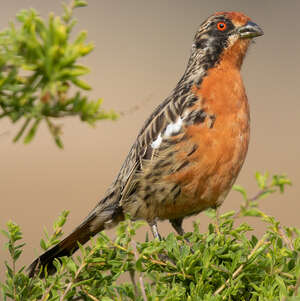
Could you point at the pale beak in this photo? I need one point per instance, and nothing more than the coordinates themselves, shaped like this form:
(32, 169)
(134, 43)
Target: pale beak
(250, 30)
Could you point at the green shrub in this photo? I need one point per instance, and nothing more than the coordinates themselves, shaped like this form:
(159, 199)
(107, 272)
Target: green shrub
(40, 77)
(225, 263)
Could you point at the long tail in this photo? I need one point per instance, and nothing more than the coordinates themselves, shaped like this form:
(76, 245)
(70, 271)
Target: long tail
(93, 224)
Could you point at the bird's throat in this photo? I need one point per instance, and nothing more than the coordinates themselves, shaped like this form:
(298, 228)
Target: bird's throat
(235, 53)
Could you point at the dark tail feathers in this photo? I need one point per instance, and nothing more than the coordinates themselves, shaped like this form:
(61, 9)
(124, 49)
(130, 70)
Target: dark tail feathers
(65, 248)
(107, 213)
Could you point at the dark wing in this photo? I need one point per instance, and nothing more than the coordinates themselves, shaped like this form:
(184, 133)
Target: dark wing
(167, 112)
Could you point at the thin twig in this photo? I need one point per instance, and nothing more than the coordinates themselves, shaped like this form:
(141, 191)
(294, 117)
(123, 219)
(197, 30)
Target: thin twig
(144, 257)
(75, 277)
(132, 278)
(46, 294)
(61, 114)
(286, 240)
(140, 276)
(91, 296)
(296, 287)
(248, 201)
(179, 274)
(280, 231)
(72, 282)
(217, 221)
(240, 268)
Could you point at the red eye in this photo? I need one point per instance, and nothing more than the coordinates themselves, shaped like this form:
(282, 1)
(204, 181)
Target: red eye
(221, 26)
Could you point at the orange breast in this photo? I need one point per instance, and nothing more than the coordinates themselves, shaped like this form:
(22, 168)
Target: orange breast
(221, 150)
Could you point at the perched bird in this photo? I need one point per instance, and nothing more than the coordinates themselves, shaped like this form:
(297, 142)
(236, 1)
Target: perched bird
(190, 150)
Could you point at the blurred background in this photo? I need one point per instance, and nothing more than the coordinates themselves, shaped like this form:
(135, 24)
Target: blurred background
(142, 48)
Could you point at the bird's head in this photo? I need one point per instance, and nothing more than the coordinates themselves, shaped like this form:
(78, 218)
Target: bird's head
(227, 35)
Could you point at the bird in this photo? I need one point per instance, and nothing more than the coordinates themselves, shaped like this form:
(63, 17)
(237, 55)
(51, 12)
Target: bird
(190, 150)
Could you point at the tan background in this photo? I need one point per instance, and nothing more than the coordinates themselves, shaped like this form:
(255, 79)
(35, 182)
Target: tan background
(142, 49)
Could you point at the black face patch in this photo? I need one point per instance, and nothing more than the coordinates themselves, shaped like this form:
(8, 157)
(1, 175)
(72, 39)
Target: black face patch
(202, 43)
(217, 41)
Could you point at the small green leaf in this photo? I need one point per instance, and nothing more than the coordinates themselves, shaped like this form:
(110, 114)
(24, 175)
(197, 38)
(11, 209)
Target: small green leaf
(71, 266)
(242, 190)
(81, 84)
(80, 3)
(28, 138)
(252, 212)
(261, 179)
(43, 244)
(20, 133)
(58, 142)
(210, 212)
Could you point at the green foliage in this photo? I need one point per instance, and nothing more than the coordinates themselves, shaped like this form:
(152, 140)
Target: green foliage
(225, 263)
(40, 78)
(57, 232)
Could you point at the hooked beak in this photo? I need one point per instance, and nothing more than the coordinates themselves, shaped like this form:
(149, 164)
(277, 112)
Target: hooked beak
(250, 30)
